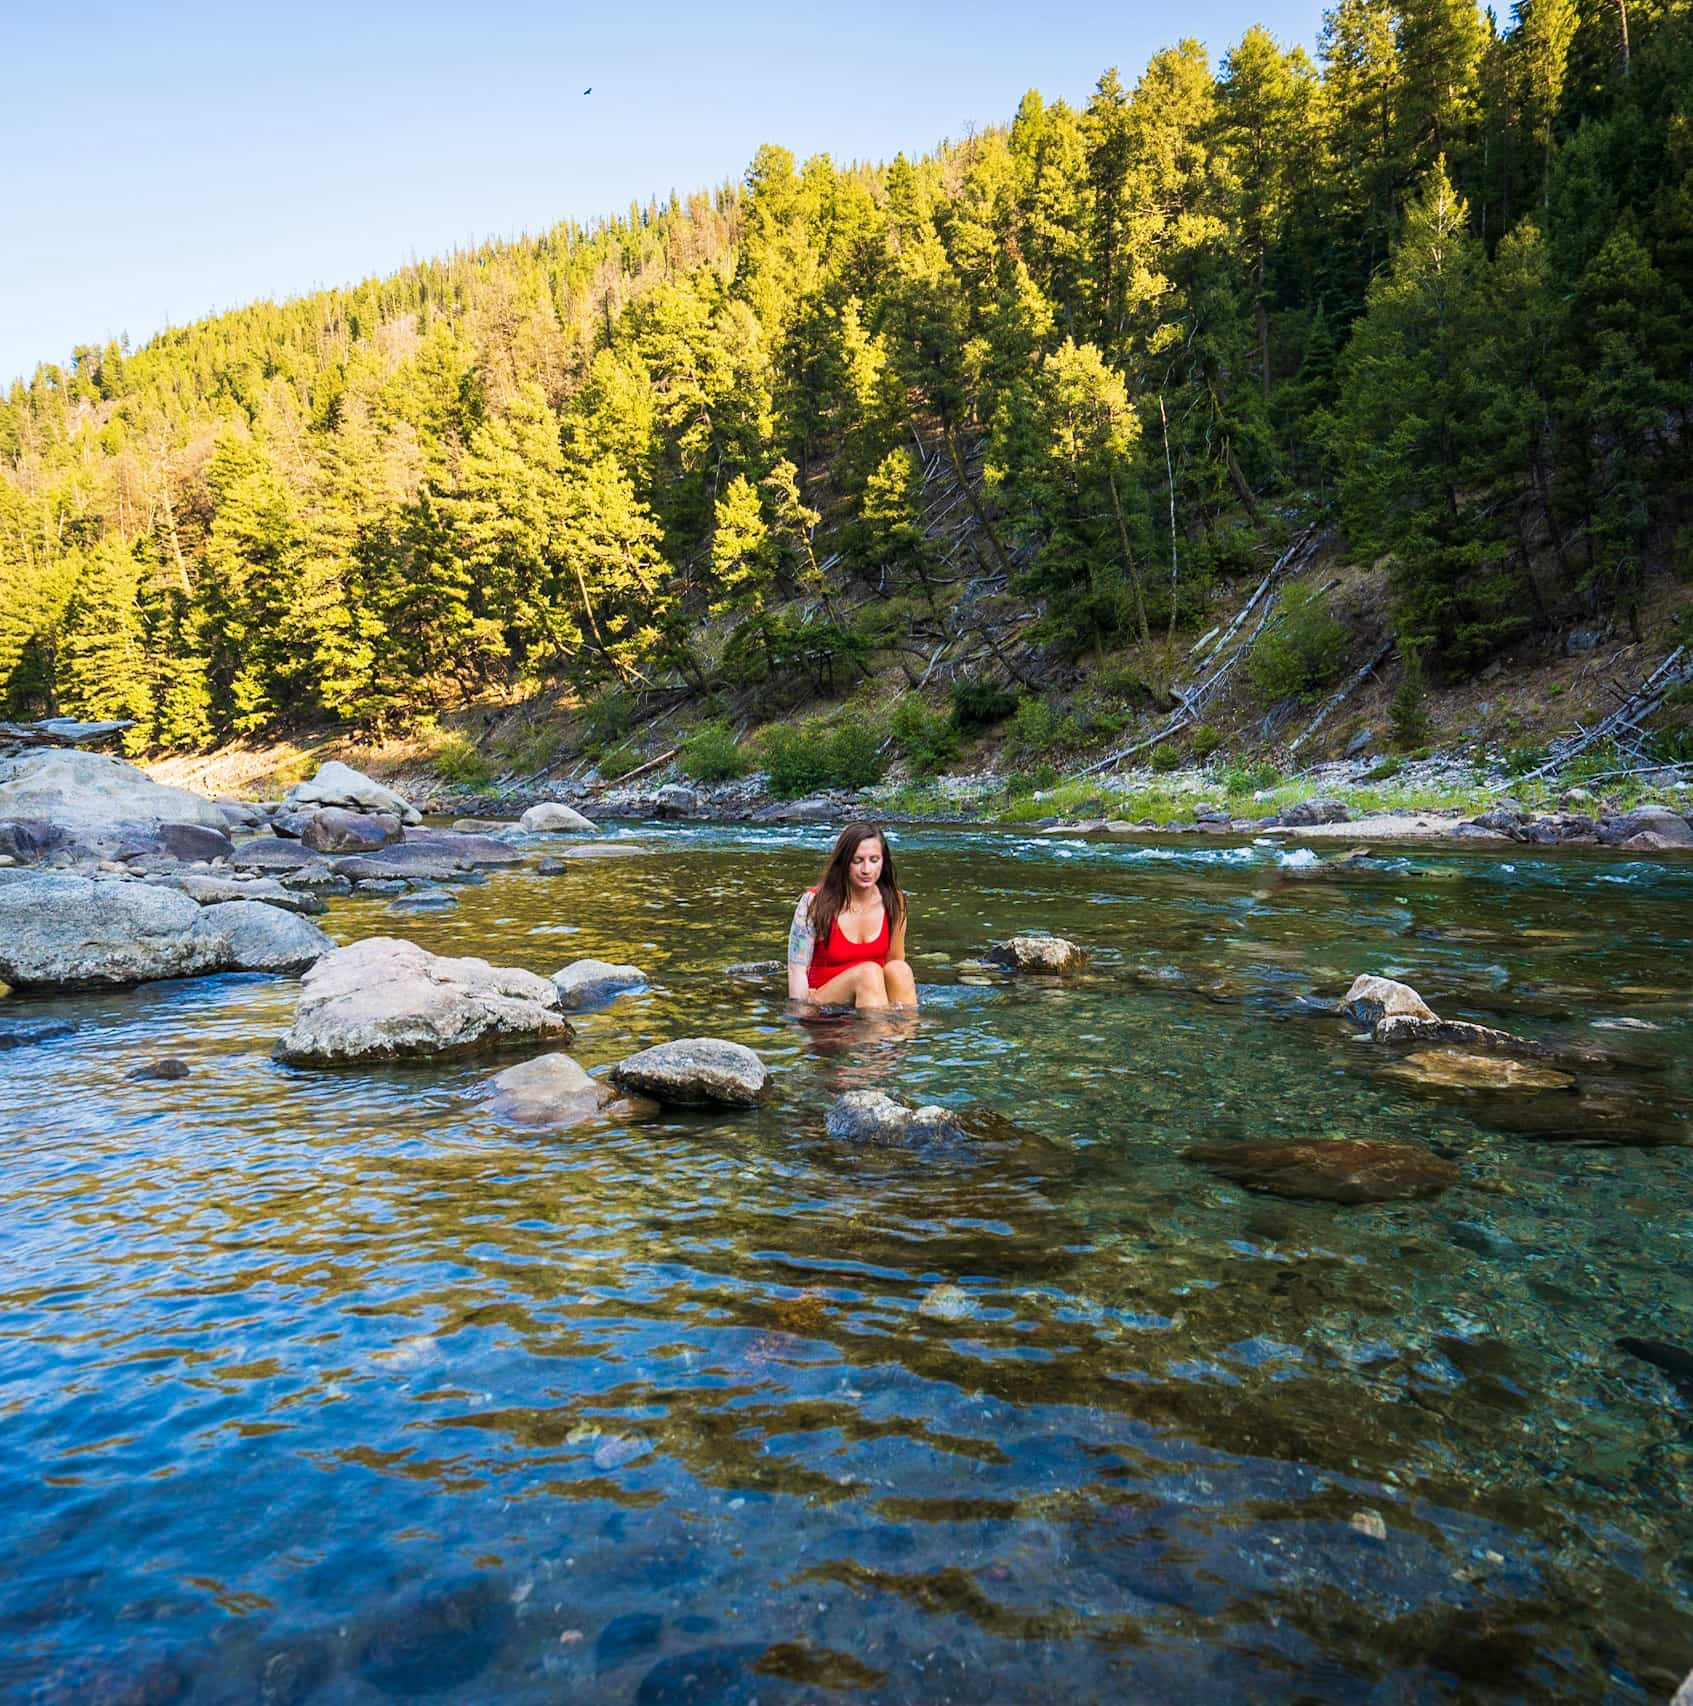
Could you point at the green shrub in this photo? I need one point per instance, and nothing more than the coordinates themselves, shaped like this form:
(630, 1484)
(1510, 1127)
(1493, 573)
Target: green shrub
(1125, 684)
(802, 759)
(458, 763)
(1408, 712)
(1165, 758)
(607, 718)
(927, 739)
(1385, 771)
(1520, 760)
(1205, 741)
(619, 760)
(979, 705)
(1300, 652)
(712, 754)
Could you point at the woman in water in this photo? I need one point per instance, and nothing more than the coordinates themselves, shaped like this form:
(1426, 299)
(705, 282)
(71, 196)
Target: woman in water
(847, 944)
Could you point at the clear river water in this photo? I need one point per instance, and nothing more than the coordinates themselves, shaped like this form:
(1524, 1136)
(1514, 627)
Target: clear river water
(336, 1387)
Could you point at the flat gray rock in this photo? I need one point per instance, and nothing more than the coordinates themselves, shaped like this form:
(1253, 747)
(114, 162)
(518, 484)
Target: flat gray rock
(424, 900)
(387, 999)
(87, 793)
(873, 1116)
(587, 984)
(273, 853)
(695, 1072)
(210, 890)
(423, 863)
(465, 849)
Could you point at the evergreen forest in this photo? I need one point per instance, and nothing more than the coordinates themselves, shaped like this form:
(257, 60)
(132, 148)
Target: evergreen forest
(1430, 289)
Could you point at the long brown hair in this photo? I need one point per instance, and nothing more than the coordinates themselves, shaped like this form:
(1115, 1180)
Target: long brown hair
(831, 892)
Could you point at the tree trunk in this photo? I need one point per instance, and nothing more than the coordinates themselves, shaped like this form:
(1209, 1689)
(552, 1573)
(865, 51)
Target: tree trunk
(1170, 475)
(975, 508)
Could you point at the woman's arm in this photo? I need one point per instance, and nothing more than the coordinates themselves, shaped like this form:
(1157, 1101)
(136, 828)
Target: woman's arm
(801, 944)
(896, 939)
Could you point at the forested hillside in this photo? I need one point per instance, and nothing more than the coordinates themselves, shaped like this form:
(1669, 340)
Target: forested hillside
(1432, 289)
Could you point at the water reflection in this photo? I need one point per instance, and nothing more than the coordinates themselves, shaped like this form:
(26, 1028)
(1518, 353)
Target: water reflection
(335, 1386)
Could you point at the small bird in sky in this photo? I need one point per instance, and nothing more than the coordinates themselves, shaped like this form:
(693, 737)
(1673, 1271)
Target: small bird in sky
(589, 90)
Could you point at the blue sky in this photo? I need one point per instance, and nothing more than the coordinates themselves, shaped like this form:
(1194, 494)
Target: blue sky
(167, 161)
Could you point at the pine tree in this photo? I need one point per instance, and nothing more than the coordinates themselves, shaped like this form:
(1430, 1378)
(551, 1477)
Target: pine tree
(102, 674)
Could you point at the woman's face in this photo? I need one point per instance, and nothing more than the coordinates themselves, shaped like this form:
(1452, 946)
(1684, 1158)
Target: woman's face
(867, 863)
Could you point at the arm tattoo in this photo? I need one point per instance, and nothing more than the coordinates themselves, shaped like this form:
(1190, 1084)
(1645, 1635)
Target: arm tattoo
(800, 938)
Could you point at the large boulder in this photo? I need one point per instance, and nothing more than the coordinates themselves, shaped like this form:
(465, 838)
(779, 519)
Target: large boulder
(264, 938)
(334, 829)
(1670, 828)
(675, 800)
(95, 800)
(59, 931)
(1341, 1170)
(338, 784)
(584, 985)
(387, 999)
(402, 863)
(1308, 812)
(1371, 999)
(1050, 956)
(553, 818)
(695, 1072)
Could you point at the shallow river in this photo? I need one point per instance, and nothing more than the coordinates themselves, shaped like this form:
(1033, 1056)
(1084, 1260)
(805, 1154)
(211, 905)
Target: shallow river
(329, 1386)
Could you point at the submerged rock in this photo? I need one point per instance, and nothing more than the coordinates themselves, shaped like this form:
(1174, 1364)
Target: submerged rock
(387, 999)
(20, 1033)
(1342, 1170)
(586, 984)
(158, 1071)
(873, 1116)
(552, 1089)
(424, 900)
(552, 818)
(338, 784)
(759, 973)
(1372, 999)
(1448, 1069)
(695, 1072)
(1051, 956)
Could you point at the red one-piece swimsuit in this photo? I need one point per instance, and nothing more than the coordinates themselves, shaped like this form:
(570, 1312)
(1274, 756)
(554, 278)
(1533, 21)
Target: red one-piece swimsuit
(829, 959)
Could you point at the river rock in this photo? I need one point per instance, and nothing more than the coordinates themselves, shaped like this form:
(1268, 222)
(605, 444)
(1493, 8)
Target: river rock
(423, 900)
(551, 1089)
(59, 931)
(483, 825)
(315, 879)
(551, 817)
(239, 814)
(264, 938)
(1308, 812)
(674, 800)
(334, 829)
(873, 1116)
(1372, 999)
(1625, 830)
(387, 999)
(20, 1033)
(469, 850)
(1051, 956)
(290, 824)
(695, 1072)
(158, 1071)
(94, 799)
(338, 784)
(1342, 1170)
(271, 853)
(27, 839)
(758, 973)
(191, 841)
(209, 890)
(1447, 1069)
(587, 984)
(400, 863)
(605, 850)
